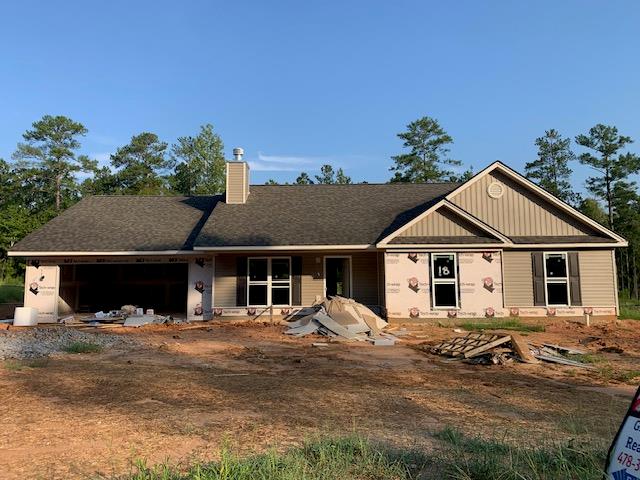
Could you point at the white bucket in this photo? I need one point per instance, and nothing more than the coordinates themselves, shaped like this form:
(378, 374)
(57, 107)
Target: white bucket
(25, 317)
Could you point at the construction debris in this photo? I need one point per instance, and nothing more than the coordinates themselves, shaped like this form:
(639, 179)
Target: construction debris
(343, 319)
(493, 349)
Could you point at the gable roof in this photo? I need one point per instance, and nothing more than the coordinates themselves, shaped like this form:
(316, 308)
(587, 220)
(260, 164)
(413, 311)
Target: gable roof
(275, 215)
(284, 217)
(434, 227)
(600, 231)
(122, 224)
(316, 215)
(595, 234)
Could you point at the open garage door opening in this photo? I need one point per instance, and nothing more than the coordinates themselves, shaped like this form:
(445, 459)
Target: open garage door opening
(95, 287)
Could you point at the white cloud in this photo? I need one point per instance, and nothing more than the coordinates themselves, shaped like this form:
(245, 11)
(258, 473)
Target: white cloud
(284, 163)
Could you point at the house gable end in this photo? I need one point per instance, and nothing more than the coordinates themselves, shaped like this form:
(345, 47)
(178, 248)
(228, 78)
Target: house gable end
(444, 223)
(516, 207)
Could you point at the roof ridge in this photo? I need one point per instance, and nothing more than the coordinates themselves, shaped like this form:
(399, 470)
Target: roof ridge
(352, 184)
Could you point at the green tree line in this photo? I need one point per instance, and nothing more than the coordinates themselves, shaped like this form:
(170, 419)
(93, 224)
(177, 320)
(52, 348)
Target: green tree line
(47, 174)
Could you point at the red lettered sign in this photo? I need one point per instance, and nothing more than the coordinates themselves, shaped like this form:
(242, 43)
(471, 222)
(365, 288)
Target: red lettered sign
(623, 461)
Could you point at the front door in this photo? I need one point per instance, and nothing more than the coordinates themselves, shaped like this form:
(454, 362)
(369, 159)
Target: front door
(337, 276)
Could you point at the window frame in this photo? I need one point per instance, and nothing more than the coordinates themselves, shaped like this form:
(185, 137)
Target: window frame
(269, 282)
(324, 273)
(557, 280)
(445, 281)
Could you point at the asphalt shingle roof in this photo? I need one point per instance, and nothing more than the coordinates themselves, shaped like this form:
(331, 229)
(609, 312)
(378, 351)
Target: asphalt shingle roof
(358, 214)
(123, 223)
(273, 215)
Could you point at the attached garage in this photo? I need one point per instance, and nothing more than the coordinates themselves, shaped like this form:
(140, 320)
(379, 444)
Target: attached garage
(95, 287)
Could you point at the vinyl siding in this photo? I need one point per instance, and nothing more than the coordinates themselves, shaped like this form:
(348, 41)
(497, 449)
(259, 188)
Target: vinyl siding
(443, 223)
(517, 278)
(519, 212)
(597, 278)
(237, 182)
(364, 274)
(224, 286)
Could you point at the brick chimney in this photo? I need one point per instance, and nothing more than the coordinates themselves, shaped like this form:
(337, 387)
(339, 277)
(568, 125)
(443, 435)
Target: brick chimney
(237, 189)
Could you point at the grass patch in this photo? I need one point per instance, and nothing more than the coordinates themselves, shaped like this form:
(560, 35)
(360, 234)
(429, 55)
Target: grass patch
(11, 293)
(474, 458)
(457, 457)
(609, 373)
(629, 312)
(508, 324)
(82, 347)
(347, 458)
(17, 365)
(586, 358)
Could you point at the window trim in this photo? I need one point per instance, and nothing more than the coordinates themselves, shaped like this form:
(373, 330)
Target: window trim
(446, 281)
(269, 282)
(564, 279)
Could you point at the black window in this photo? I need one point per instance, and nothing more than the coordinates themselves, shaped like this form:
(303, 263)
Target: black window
(444, 280)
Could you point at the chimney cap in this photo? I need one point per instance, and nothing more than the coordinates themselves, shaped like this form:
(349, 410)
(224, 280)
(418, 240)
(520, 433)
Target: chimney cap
(238, 153)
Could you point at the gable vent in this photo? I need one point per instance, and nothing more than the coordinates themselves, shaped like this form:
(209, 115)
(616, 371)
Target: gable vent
(495, 190)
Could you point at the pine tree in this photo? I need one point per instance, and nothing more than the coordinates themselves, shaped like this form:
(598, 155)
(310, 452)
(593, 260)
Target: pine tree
(428, 156)
(551, 169)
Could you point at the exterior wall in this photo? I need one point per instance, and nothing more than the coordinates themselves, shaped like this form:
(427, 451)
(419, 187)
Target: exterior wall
(518, 212)
(597, 278)
(364, 272)
(441, 223)
(510, 278)
(518, 278)
(237, 182)
(408, 286)
(200, 289)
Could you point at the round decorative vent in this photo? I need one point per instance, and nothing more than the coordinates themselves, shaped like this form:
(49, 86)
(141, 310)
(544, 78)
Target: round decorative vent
(495, 190)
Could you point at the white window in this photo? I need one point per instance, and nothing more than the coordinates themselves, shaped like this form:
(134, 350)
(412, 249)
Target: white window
(444, 280)
(268, 281)
(556, 279)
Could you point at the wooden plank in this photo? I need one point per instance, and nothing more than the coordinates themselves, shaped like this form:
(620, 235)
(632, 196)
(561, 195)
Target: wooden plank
(570, 351)
(487, 346)
(562, 360)
(522, 349)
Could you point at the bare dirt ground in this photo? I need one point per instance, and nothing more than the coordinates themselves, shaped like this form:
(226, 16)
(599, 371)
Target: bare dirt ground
(183, 394)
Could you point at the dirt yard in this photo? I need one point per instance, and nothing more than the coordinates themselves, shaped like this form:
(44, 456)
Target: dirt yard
(180, 395)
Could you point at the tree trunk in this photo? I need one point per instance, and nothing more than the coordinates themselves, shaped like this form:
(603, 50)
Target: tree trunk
(607, 180)
(635, 276)
(58, 186)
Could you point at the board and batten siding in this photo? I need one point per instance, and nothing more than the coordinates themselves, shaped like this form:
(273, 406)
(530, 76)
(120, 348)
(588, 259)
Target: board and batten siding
(597, 278)
(441, 222)
(364, 266)
(518, 212)
(237, 182)
(517, 278)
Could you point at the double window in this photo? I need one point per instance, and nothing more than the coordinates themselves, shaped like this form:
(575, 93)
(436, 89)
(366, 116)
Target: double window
(556, 279)
(444, 280)
(268, 281)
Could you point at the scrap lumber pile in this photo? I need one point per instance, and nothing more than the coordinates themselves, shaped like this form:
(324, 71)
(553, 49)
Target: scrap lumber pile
(497, 348)
(343, 319)
(127, 316)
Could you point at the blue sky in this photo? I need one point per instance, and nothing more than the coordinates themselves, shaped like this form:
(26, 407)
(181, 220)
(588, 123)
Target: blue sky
(298, 84)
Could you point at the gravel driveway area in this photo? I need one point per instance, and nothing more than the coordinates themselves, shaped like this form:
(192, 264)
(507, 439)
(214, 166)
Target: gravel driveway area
(43, 341)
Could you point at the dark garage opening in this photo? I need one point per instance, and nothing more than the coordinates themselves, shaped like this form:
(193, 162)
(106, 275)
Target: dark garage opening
(95, 287)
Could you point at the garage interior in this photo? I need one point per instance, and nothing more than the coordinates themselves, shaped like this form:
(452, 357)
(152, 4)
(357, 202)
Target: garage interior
(96, 287)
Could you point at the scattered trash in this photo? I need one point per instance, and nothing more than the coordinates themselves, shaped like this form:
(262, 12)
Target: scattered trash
(319, 344)
(457, 330)
(343, 319)
(499, 349)
(139, 321)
